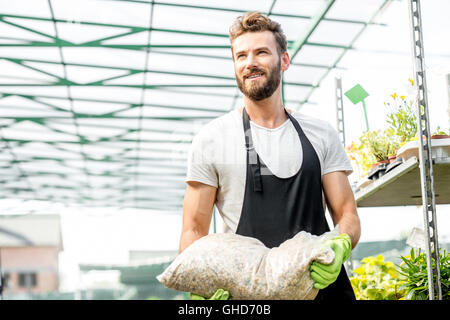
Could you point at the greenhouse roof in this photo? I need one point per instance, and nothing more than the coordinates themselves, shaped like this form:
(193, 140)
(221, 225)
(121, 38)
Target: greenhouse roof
(100, 100)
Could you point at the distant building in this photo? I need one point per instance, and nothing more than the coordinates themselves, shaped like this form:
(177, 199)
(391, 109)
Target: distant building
(29, 249)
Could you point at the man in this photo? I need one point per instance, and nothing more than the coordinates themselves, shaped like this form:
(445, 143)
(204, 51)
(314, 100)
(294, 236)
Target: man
(269, 169)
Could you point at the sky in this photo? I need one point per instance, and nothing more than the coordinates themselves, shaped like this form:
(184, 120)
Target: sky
(382, 65)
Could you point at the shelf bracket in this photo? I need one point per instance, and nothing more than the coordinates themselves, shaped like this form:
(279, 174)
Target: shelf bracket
(341, 132)
(339, 110)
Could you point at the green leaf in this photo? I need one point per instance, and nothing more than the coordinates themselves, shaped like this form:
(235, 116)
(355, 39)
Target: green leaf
(410, 295)
(421, 296)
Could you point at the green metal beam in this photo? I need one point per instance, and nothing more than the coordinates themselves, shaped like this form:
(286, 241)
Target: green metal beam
(10, 150)
(137, 86)
(327, 45)
(313, 25)
(60, 43)
(35, 98)
(138, 47)
(106, 173)
(272, 5)
(313, 65)
(87, 141)
(92, 116)
(294, 47)
(107, 159)
(23, 61)
(129, 71)
(240, 11)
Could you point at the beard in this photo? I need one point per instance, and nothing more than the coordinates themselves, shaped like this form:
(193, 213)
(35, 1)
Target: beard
(258, 92)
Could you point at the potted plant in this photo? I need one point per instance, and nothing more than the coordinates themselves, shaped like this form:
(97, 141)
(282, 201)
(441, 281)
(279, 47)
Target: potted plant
(382, 144)
(439, 134)
(414, 269)
(373, 151)
(402, 117)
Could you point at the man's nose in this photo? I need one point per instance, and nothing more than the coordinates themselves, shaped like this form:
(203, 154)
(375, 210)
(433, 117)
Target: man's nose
(252, 62)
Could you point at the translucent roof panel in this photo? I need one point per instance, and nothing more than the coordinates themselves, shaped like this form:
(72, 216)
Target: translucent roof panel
(100, 99)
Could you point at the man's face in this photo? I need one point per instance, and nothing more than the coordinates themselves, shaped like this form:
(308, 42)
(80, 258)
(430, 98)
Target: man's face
(257, 65)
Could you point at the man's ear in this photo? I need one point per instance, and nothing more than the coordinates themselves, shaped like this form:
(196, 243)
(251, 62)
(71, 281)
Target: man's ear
(285, 61)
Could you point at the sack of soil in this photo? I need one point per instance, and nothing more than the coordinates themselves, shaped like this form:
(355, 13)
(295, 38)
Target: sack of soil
(248, 269)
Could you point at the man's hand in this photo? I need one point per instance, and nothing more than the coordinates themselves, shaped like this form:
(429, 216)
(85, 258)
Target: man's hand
(325, 274)
(219, 295)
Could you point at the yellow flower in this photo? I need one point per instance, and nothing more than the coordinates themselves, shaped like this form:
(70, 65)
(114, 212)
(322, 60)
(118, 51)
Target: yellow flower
(411, 81)
(379, 259)
(394, 95)
(368, 260)
(403, 97)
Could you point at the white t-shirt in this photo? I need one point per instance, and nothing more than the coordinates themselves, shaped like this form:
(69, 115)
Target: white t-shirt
(217, 156)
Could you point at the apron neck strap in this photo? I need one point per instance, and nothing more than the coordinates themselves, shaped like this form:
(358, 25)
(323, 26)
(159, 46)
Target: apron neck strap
(252, 156)
(247, 132)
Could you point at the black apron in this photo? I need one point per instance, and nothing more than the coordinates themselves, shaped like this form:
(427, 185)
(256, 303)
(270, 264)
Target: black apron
(276, 209)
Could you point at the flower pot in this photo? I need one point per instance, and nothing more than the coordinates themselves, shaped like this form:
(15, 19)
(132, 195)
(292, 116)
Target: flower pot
(392, 158)
(378, 170)
(440, 136)
(396, 162)
(440, 148)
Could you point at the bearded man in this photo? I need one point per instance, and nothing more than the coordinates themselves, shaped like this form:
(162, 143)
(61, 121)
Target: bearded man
(271, 172)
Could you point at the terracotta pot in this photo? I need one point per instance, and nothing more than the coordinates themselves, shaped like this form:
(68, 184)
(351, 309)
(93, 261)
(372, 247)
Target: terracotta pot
(373, 165)
(440, 136)
(392, 158)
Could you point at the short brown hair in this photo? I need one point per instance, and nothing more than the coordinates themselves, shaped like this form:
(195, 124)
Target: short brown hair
(256, 22)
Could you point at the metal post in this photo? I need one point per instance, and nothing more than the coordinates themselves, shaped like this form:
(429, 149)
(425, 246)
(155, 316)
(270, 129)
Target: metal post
(341, 132)
(425, 159)
(339, 110)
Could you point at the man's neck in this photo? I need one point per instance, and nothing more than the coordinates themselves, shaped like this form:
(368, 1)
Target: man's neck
(268, 113)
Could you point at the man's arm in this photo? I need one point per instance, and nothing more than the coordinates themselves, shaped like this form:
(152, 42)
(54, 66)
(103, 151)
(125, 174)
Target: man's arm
(197, 212)
(341, 203)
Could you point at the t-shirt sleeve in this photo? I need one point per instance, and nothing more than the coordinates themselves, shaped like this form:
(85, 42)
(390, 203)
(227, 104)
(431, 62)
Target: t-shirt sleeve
(199, 163)
(336, 158)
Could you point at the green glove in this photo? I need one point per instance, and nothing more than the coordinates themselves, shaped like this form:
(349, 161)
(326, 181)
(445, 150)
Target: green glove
(219, 295)
(325, 274)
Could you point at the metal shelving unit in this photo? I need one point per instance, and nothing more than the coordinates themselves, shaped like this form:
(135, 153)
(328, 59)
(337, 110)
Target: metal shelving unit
(402, 185)
(424, 180)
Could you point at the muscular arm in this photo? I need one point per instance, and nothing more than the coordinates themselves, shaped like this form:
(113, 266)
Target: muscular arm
(341, 203)
(197, 212)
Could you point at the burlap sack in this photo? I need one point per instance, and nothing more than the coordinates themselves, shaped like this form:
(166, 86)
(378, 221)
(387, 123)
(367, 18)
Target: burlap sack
(248, 269)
